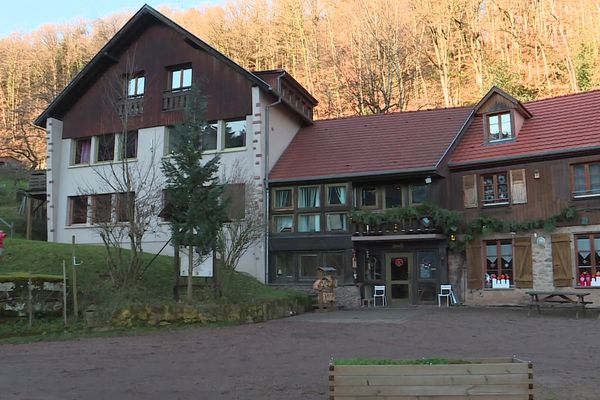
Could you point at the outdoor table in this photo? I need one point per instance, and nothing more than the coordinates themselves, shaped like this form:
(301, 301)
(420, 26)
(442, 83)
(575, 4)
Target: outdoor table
(576, 299)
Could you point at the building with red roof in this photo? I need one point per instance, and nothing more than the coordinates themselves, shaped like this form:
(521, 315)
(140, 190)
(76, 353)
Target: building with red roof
(368, 194)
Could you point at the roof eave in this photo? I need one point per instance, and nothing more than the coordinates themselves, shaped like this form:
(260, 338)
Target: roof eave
(407, 171)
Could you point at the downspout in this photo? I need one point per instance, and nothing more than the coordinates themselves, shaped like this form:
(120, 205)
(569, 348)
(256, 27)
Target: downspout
(266, 197)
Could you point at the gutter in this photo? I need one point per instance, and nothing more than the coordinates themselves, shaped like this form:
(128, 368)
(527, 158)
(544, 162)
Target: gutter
(407, 171)
(267, 197)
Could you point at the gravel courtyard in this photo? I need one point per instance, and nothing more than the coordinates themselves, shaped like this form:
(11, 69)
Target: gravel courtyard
(287, 359)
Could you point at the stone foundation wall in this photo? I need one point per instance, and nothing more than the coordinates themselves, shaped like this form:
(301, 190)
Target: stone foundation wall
(180, 313)
(47, 297)
(543, 275)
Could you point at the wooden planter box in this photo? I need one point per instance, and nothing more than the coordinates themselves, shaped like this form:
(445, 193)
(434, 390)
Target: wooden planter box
(489, 379)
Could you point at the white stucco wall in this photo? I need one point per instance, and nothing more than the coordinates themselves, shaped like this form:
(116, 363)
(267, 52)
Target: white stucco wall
(65, 180)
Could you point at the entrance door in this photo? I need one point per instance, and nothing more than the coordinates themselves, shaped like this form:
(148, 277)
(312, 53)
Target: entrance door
(398, 275)
(427, 277)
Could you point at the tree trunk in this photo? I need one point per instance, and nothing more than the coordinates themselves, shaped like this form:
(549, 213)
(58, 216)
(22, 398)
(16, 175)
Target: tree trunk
(176, 262)
(189, 278)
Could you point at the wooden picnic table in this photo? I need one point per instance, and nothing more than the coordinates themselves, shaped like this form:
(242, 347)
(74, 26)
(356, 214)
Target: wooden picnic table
(574, 298)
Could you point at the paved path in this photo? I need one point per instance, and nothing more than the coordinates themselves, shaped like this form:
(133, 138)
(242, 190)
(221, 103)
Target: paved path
(287, 359)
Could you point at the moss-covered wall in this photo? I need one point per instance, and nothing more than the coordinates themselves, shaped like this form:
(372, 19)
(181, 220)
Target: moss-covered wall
(180, 313)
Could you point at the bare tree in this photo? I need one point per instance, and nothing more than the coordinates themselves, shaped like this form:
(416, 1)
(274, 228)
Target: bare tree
(127, 193)
(245, 227)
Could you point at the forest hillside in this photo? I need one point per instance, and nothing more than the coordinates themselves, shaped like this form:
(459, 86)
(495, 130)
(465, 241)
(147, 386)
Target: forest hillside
(355, 56)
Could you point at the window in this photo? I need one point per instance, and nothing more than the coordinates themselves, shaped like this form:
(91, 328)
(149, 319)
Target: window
(373, 266)
(587, 248)
(498, 263)
(500, 127)
(336, 260)
(125, 206)
(283, 198)
(106, 148)
(308, 266)
(283, 223)
(130, 144)
(181, 78)
(284, 266)
(235, 195)
(235, 134)
(309, 197)
(337, 222)
(419, 193)
(135, 86)
(586, 180)
(368, 197)
(495, 188)
(78, 209)
(102, 208)
(309, 223)
(393, 196)
(209, 137)
(82, 152)
(336, 195)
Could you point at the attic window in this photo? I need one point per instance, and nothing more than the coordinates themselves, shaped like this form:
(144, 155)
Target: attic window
(500, 127)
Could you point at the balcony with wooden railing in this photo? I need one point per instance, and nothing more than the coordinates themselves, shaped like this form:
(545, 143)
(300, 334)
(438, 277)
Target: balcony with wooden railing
(175, 100)
(409, 226)
(131, 106)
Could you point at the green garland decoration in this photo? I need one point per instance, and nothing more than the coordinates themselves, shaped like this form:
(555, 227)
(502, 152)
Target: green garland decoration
(451, 223)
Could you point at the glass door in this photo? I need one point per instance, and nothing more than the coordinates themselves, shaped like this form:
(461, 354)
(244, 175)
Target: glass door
(398, 276)
(427, 277)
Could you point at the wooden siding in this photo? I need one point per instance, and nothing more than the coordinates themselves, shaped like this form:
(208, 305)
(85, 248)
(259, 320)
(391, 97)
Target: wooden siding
(546, 196)
(228, 93)
(484, 379)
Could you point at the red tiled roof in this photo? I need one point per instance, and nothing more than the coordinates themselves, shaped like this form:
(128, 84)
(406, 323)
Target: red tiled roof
(380, 143)
(563, 123)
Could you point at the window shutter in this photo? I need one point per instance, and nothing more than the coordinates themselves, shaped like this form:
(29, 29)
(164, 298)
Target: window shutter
(470, 191)
(474, 266)
(518, 186)
(523, 263)
(561, 260)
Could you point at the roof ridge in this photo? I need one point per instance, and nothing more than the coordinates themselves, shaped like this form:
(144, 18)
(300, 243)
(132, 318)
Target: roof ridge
(562, 96)
(393, 113)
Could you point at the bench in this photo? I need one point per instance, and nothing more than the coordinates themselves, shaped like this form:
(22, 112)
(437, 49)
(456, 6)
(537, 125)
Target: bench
(575, 300)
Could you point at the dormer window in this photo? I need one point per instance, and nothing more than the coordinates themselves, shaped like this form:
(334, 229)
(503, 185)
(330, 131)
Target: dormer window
(500, 127)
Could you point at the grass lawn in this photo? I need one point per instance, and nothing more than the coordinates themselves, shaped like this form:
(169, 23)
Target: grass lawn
(22, 257)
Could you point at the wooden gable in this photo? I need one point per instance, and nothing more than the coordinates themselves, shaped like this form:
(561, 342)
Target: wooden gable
(153, 51)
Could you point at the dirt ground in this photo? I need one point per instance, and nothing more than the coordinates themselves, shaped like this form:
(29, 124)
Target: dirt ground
(288, 358)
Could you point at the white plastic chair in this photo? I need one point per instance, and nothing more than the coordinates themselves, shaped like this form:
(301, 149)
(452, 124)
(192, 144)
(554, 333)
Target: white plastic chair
(445, 291)
(379, 291)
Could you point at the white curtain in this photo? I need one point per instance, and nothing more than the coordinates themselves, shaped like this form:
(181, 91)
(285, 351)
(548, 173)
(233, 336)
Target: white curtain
(309, 223)
(309, 197)
(336, 222)
(283, 223)
(283, 198)
(337, 195)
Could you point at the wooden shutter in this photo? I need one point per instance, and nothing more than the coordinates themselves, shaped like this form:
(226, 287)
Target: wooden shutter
(474, 265)
(522, 262)
(518, 188)
(470, 191)
(561, 260)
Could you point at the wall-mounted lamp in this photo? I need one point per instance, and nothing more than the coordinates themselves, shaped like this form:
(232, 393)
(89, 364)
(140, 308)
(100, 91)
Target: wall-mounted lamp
(540, 240)
(536, 174)
(428, 180)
